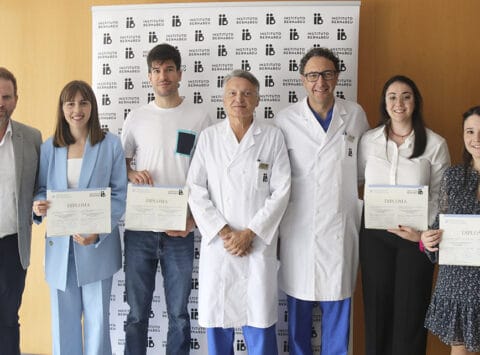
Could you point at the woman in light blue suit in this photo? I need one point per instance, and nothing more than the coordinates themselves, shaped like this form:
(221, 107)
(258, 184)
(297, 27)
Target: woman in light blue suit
(79, 268)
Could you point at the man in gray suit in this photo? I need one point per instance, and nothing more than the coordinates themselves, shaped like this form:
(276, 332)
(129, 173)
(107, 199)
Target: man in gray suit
(19, 156)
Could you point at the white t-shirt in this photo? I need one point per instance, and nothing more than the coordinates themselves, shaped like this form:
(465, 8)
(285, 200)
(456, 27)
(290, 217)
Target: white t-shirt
(162, 140)
(382, 162)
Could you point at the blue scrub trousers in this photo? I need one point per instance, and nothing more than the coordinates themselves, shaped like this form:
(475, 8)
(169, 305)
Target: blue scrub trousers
(259, 341)
(335, 326)
(92, 301)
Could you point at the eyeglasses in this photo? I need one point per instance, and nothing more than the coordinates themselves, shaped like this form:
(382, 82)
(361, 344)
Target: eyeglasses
(314, 75)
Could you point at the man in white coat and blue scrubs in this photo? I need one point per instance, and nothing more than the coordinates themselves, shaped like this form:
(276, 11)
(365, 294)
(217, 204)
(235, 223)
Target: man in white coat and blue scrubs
(319, 232)
(239, 183)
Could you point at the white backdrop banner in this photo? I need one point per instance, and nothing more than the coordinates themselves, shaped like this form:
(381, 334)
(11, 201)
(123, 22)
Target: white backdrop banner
(265, 38)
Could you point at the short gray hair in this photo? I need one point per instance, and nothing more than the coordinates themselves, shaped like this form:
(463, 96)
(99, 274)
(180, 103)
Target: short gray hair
(239, 73)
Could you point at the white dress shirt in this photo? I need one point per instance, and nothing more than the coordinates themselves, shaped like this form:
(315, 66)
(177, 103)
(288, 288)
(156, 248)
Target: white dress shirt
(8, 198)
(381, 161)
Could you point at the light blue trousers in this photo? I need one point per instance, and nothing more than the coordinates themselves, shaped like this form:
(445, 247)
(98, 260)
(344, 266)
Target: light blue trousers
(93, 302)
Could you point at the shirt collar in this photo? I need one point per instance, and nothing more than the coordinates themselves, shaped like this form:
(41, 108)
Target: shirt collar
(8, 132)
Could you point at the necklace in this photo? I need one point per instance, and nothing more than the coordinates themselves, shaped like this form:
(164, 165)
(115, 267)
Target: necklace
(399, 135)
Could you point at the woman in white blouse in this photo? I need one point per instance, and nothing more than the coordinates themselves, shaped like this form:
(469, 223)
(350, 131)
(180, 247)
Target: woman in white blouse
(396, 275)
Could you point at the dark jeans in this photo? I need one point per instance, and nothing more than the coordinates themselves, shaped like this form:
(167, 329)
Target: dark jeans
(12, 284)
(143, 251)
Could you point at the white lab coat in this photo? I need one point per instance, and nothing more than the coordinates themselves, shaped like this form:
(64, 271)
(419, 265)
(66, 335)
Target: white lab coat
(319, 232)
(228, 185)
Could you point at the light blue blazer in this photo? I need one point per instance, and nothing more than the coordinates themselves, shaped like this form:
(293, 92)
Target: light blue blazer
(103, 166)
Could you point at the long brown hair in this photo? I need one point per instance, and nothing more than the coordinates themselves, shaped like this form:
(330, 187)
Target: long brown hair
(63, 137)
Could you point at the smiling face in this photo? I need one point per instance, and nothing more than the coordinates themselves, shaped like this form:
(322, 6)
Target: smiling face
(471, 137)
(320, 92)
(77, 112)
(240, 99)
(165, 78)
(399, 102)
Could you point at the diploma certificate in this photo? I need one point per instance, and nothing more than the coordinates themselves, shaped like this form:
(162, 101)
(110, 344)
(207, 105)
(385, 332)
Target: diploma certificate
(388, 206)
(460, 243)
(156, 208)
(78, 211)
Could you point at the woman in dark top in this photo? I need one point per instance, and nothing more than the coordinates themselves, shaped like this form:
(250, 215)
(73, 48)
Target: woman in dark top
(454, 311)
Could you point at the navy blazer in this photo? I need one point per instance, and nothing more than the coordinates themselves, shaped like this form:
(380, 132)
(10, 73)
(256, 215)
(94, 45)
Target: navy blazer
(103, 166)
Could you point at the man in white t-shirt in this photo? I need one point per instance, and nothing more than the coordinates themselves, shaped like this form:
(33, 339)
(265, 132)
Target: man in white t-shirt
(161, 136)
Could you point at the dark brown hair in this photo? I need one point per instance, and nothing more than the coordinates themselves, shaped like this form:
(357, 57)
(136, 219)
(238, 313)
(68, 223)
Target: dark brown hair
(63, 137)
(7, 75)
(418, 124)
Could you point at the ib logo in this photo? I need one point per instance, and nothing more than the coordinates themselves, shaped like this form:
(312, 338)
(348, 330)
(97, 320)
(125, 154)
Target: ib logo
(292, 65)
(129, 23)
(107, 39)
(197, 98)
(292, 97)
(246, 65)
(342, 65)
(152, 37)
(286, 347)
(128, 84)
(269, 50)
(314, 332)
(106, 70)
(221, 115)
(294, 34)
(269, 83)
(106, 100)
(194, 344)
(241, 345)
(341, 35)
(150, 97)
(222, 50)
(152, 314)
(196, 252)
(129, 53)
(317, 19)
(104, 127)
(220, 79)
(198, 67)
(199, 37)
(285, 316)
(194, 313)
(176, 22)
(222, 20)
(246, 35)
(268, 113)
(270, 20)
(340, 95)
(126, 112)
(150, 343)
(194, 283)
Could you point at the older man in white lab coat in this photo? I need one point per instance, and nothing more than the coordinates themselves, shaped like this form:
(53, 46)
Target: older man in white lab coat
(319, 233)
(239, 183)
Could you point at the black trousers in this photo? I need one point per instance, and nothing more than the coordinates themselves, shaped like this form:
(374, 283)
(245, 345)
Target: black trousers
(397, 285)
(12, 284)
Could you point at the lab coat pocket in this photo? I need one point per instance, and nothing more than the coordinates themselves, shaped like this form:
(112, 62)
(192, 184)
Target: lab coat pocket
(263, 175)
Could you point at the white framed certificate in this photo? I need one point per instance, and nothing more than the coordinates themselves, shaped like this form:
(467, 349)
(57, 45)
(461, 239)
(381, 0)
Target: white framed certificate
(460, 244)
(78, 211)
(156, 208)
(388, 206)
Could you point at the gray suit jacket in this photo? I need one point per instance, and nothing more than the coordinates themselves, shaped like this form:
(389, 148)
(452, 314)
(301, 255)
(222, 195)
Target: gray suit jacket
(26, 148)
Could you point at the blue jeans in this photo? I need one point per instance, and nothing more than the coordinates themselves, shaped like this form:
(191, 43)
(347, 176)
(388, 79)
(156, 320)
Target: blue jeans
(143, 251)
